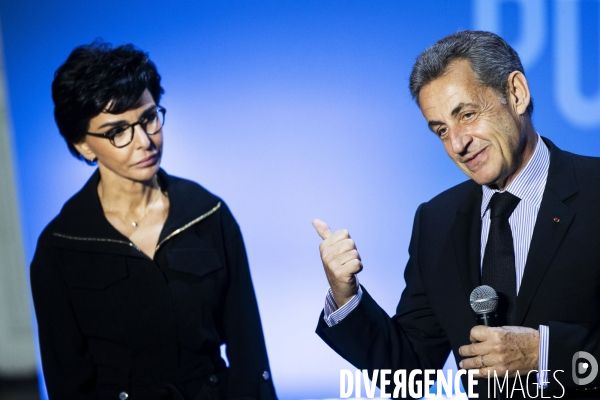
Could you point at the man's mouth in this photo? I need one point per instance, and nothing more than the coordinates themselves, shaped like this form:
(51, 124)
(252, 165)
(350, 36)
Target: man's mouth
(474, 158)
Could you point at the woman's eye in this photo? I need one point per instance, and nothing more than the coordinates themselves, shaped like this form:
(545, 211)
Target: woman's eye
(117, 131)
(468, 115)
(151, 117)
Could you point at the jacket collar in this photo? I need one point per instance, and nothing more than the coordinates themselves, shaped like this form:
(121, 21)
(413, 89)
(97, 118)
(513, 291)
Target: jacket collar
(82, 223)
(553, 221)
(466, 235)
(188, 202)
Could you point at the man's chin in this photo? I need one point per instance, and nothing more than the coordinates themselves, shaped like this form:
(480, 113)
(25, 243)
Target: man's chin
(486, 180)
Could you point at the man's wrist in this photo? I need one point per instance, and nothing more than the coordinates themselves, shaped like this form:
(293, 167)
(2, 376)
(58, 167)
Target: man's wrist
(343, 299)
(334, 314)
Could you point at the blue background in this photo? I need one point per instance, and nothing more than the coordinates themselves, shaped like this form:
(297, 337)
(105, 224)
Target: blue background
(294, 110)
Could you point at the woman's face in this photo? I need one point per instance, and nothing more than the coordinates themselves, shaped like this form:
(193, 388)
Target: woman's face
(139, 160)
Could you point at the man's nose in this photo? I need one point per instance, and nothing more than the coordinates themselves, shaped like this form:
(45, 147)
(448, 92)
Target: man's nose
(460, 140)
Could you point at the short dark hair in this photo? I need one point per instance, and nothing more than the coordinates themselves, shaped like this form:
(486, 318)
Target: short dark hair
(94, 77)
(491, 58)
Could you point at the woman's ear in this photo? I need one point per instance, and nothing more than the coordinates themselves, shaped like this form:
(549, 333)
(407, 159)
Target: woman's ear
(518, 92)
(84, 149)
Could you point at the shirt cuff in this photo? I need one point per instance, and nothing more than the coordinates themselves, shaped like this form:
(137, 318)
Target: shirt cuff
(333, 314)
(542, 375)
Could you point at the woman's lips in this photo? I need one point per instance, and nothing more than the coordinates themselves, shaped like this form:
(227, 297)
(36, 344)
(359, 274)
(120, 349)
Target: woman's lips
(148, 161)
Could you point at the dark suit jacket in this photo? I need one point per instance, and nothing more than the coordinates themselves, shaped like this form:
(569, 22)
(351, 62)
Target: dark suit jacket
(112, 320)
(560, 286)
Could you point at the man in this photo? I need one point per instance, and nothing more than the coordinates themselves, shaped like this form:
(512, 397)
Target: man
(542, 253)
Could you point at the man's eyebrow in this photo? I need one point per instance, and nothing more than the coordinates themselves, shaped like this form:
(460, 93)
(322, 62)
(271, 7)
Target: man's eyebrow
(454, 112)
(431, 124)
(459, 107)
(123, 122)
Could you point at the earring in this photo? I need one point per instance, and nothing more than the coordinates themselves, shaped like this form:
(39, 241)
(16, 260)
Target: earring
(93, 160)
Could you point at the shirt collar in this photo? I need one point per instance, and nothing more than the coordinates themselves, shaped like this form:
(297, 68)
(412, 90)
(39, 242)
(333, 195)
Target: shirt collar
(529, 184)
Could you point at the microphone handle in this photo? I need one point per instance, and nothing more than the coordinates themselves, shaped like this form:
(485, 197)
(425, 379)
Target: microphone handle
(490, 319)
(487, 319)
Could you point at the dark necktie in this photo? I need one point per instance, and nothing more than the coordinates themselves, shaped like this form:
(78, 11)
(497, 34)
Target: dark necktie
(498, 270)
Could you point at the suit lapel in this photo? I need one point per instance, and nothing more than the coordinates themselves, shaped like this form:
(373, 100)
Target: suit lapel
(552, 223)
(466, 236)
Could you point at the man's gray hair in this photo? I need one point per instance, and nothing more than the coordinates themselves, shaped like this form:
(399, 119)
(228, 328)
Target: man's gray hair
(492, 61)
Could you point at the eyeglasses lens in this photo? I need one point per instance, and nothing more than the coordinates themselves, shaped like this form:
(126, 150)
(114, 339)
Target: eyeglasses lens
(151, 124)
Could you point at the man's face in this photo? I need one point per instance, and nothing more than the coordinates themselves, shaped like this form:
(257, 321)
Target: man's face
(481, 131)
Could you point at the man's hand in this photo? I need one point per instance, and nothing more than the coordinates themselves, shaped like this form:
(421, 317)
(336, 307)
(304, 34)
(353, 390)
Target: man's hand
(508, 348)
(340, 260)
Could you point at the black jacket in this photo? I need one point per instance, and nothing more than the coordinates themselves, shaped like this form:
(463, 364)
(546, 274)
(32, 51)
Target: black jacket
(114, 322)
(560, 286)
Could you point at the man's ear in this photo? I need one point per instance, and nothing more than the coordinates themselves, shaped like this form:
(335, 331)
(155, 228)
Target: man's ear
(518, 93)
(84, 149)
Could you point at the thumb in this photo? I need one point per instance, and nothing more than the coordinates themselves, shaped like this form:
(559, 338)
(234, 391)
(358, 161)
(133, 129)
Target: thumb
(322, 228)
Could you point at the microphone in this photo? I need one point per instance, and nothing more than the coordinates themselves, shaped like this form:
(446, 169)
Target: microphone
(484, 301)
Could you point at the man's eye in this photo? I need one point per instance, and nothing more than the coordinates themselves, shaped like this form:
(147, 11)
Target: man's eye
(468, 115)
(442, 131)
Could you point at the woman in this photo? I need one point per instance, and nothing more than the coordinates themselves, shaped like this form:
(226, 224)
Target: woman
(142, 276)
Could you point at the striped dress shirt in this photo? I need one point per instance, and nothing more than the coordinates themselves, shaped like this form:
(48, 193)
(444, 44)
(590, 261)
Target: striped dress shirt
(529, 186)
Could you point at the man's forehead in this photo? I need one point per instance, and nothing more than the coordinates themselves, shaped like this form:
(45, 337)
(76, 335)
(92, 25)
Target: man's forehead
(453, 91)
(458, 72)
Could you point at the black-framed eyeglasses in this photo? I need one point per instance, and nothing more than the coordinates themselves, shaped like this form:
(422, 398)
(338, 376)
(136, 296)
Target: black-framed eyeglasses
(120, 136)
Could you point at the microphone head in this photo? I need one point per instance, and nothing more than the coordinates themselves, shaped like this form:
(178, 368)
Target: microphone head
(484, 299)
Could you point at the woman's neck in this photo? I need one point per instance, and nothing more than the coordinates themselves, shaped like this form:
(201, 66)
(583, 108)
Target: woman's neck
(126, 197)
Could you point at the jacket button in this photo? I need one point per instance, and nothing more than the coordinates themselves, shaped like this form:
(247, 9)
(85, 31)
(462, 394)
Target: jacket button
(213, 379)
(123, 395)
(266, 375)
